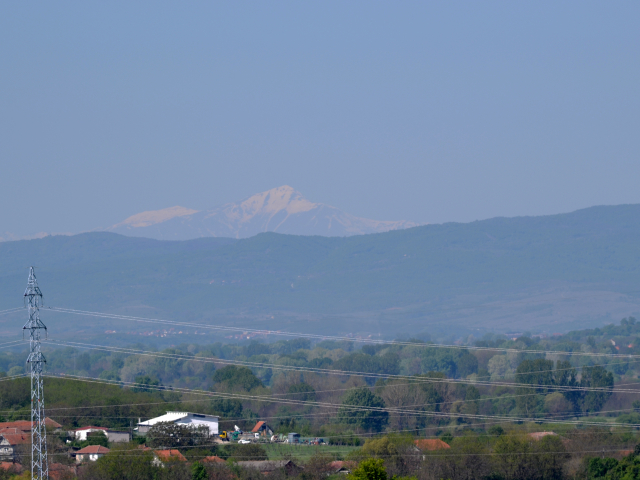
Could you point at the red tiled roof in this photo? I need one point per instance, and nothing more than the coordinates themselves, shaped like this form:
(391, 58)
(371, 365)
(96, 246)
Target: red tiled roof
(58, 471)
(257, 427)
(170, 455)
(340, 464)
(8, 466)
(16, 438)
(431, 444)
(91, 428)
(213, 459)
(25, 425)
(93, 449)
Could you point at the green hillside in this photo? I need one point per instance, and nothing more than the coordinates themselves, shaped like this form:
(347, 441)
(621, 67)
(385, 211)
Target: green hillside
(413, 280)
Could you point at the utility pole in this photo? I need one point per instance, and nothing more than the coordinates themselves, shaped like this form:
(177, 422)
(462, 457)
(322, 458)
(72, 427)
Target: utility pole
(36, 361)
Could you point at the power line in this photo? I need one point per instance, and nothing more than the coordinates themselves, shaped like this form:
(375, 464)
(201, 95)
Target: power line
(305, 415)
(416, 381)
(341, 451)
(334, 372)
(329, 337)
(220, 360)
(337, 406)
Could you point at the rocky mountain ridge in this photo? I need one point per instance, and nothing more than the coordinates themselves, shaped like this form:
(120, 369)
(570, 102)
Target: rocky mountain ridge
(281, 210)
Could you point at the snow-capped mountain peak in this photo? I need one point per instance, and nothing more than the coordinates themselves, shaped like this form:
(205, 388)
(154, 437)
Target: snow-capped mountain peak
(282, 209)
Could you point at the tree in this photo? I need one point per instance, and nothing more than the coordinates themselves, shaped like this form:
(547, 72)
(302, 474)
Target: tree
(317, 468)
(471, 397)
(227, 407)
(397, 451)
(466, 365)
(371, 417)
(556, 403)
(532, 372)
(235, 377)
(466, 459)
(536, 372)
(252, 451)
(145, 380)
(125, 462)
(388, 363)
(380, 447)
(519, 457)
(198, 472)
(566, 376)
(549, 457)
(302, 391)
(370, 469)
(512, 459)
(596, 377)
(400, 395)
(598, 467)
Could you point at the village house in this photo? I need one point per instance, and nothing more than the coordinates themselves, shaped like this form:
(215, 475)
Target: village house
(11, 439)
(430, 444)
(268, 466)
(341, 466)
(213, 459)
(167, 456)
(58, 471)
(25, 425)
(91, 453)
(262, 429)
(11, 467)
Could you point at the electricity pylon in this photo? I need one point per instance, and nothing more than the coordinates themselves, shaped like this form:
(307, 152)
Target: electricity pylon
(33, 299)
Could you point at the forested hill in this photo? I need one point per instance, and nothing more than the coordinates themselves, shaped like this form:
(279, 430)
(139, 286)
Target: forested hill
(550, 273)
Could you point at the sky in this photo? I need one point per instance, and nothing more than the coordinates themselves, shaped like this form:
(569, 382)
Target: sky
(423, 111)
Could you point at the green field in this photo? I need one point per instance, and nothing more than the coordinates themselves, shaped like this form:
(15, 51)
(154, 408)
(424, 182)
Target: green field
(278, 451)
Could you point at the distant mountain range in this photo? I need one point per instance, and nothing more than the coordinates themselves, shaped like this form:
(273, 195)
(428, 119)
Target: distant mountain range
(551, 273)
(281, 210)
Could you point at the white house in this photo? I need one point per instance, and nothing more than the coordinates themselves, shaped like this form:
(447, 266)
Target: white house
(81, 433)
(6, 450)
(91, 453)
(182, 418)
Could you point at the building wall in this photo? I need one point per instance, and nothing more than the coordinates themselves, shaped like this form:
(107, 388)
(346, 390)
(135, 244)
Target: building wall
(92, 457)
(82, 434)
(210, 423)
(6, 451)
(118, 437)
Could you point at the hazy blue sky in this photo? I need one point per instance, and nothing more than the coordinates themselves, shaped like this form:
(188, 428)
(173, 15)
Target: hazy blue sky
(432, 112)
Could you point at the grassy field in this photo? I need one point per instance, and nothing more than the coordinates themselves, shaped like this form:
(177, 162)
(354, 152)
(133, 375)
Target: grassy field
(278, 451)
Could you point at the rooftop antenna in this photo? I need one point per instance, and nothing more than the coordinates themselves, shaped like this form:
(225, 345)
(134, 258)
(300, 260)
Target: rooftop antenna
(33, 301)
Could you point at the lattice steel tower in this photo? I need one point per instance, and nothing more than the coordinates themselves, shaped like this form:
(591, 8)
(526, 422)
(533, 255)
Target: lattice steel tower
(33, 300)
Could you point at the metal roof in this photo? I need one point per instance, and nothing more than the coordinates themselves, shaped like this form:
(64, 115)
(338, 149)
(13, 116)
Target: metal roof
(173, 417)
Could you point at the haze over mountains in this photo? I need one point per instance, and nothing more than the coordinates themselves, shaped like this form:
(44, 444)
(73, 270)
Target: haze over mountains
(543, 274)
(281, 210)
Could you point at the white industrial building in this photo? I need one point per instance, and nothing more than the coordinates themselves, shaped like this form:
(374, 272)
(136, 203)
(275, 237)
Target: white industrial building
(113, 436)
(182, 418)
